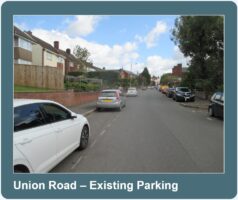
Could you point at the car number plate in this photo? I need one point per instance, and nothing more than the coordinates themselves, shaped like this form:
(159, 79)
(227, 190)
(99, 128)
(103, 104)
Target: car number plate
(107, 100)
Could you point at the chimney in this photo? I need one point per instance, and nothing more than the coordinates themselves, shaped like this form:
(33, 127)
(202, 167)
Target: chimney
(29, 32)
(56, 44)
(68, 51)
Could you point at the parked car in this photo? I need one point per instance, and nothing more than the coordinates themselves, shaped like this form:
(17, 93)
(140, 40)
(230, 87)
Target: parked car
(132, 92)
(164, 88)
(170, 92)
(183, 94)
(111, 99)
(45, 132)
(216, 105)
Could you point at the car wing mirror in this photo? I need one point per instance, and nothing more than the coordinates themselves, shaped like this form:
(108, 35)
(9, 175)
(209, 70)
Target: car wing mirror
(73, 116)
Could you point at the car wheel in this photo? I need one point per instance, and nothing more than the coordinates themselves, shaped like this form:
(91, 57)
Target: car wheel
(211, 112)
(84, 138)
(176, 98)
(98, 109)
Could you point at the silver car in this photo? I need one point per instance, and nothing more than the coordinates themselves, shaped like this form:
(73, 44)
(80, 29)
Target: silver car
(111, 99)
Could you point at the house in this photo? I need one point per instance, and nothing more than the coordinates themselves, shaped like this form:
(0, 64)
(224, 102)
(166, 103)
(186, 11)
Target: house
(71, 62)
(45, 54)
(91, 68)
(126, 74)
(23, 47)
(177, 70)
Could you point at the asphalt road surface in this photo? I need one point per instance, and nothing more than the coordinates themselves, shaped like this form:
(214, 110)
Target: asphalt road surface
(152, 134)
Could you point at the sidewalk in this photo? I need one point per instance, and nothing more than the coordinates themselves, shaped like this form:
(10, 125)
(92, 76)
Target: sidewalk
(84, 109)
(198, 103)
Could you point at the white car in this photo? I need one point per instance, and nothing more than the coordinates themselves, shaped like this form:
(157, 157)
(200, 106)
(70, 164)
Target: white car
(45, 132)
(132, 92)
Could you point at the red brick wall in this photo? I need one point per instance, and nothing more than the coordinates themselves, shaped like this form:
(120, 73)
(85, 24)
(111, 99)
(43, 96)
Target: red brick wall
(67, 98)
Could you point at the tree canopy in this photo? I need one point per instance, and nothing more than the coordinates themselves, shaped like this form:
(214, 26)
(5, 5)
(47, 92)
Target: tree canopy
(201, 39)
(144, 77)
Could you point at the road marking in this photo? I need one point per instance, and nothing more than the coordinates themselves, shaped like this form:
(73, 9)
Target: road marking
(102, 133)
(109, 125)
(193, 111)
(93, 144)
(208, 118)
(77, 162)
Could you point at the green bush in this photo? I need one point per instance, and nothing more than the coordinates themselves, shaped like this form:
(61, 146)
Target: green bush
(82, 86)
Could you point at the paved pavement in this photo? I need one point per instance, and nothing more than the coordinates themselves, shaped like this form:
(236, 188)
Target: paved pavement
(84, 109)
(152, 134)
(198, 103)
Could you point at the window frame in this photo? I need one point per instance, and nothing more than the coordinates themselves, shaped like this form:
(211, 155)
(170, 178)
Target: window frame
(57, 106)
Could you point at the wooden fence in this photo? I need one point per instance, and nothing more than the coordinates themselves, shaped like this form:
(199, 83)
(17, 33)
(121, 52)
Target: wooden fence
(38, 76)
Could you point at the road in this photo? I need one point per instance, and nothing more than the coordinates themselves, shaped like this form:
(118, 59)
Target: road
(152, 134)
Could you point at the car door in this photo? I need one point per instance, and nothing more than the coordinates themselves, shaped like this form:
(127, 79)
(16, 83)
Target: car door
(68, 128)
(221, 106)
(217, 104)
(34, 138)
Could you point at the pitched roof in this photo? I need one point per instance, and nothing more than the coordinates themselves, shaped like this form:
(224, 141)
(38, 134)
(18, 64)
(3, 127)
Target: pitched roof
(70, 57)
(23, 34)
(43, 43)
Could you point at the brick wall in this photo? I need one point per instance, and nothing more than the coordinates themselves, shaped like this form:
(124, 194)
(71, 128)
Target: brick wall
(67, 98)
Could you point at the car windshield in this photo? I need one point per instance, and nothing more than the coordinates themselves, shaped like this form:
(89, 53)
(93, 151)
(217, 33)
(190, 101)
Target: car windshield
(108, 94)
(184, 90)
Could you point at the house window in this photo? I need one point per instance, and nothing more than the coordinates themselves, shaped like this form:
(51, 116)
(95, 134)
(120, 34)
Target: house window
(71, 64)
(60, 60)
(24, 44)
(48, 56)
(22, 62)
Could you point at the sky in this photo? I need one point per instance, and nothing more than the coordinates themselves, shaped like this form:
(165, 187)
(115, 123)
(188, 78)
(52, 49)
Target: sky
(131, 42)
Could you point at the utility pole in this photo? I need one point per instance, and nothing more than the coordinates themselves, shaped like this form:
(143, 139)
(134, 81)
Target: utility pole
(130, 74)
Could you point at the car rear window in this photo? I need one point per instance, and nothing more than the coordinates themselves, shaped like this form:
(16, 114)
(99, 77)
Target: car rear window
(108, 94)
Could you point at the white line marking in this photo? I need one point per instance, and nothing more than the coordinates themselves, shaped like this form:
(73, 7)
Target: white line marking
(193, 111)
(77, 162)
(93, 144)
(102, 133)
(208, 118)
(109, 125)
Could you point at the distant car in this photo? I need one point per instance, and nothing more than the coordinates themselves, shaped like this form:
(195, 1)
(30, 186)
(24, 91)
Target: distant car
(170, 92)
(164, 89)
(45, 132)
(216, 106)
(144, 88)
(111, 98)
(183, 94)
(132, 92)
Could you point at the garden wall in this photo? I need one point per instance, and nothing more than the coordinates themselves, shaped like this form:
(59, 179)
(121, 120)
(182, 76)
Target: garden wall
(67, 98)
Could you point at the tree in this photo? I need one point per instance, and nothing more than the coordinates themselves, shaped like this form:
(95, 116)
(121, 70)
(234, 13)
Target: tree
(201, 39)
(144, 77)
(81, 53)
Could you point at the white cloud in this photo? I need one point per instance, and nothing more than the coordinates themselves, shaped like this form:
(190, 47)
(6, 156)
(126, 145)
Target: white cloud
(158, 65)
(152, 37)
(102, 55)
(83, 25)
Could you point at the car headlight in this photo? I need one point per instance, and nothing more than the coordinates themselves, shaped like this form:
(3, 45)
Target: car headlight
(179, 94)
